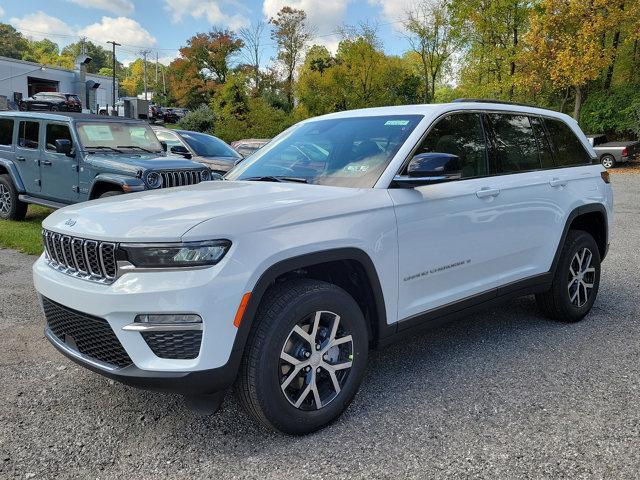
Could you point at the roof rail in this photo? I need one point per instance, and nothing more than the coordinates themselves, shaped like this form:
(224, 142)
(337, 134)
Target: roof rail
(488, 100)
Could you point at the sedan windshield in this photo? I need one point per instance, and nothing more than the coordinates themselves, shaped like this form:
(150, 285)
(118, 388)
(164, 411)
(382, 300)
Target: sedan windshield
(118, 137)
(349, 152)
(208, 146)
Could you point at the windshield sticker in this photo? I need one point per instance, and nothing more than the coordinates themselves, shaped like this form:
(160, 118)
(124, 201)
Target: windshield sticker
(97, 133)
(396, 123)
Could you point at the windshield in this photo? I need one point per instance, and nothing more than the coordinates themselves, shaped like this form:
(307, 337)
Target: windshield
(118, 137)
(208, 146)
(348, 152)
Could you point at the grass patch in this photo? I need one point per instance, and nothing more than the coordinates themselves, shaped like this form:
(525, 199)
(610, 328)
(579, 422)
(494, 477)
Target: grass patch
(25, 236)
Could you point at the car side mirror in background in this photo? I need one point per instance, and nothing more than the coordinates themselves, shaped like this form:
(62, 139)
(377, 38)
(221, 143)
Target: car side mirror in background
(426, 168)
(64, 146)
(164, 146)
(181, 150)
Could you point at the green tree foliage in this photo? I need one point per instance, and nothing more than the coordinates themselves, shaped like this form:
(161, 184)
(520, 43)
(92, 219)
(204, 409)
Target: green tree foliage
(202, 119)
(12, 43)
(611, 111)
(100, 57)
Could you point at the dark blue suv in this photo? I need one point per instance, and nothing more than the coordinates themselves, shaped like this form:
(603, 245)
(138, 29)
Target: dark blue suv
(56, 159)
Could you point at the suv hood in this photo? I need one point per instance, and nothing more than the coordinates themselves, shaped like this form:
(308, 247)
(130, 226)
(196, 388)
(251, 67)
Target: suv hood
(132, 162)
(167, 214)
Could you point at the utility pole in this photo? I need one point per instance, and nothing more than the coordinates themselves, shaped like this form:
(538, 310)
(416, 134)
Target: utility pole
(144, 54)
(113, 77)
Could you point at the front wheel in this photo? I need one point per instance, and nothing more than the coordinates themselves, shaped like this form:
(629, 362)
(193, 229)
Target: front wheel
(111, 193)
(305, 357)
(11, 208)
(576, 280)
(608, 161)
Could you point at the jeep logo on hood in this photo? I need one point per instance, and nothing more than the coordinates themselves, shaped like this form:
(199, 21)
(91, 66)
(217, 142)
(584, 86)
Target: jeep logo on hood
(70, 223)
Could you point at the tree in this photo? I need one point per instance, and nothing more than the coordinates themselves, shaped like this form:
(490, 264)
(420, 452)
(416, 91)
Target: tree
(12, 43)
(252, 38)
(43, 51)
(100, 57)
(291, 33)
(565, 45)
(212, 52)
(433, 39)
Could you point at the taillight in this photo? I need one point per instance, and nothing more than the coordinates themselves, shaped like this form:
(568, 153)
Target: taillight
(605, 176)
(625, 152)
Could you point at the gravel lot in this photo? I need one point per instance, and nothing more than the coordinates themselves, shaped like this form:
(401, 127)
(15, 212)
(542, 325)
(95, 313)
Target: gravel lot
(503, 394)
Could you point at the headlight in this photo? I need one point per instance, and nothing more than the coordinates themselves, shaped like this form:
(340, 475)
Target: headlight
(172, 255)
(153, 180)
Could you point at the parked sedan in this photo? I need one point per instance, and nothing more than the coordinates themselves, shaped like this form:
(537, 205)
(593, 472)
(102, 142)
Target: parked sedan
(200, 147)
(52, 101)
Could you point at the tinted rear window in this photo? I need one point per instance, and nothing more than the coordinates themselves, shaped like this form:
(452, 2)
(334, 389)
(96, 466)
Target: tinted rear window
(568, 149)
(6, 131)
(515, 148)
(544, 148)
(28, 134)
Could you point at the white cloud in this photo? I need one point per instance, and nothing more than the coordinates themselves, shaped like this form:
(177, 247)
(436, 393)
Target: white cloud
(124, 30)
(210, 10)
(39, 25)
(1, 12)
(118, 7)
(325, 17)
(394, 10)
(167, 59)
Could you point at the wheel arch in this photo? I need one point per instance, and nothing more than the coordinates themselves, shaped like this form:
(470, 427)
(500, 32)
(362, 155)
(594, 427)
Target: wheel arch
(318, 265)
(591, 218)
(8, 168)
(111, 182)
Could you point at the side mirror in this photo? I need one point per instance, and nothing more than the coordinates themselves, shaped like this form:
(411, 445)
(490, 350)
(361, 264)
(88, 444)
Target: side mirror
(181, 150)
(63, 146)
(427, 168)
(164, 146)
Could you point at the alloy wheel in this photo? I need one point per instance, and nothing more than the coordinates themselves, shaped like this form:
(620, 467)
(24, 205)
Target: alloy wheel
(315, 361)
(607, 162)
(5, 199)
(581, 277)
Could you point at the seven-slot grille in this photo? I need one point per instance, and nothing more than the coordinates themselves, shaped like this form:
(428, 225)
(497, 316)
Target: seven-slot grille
(179, 178)
(87, 259)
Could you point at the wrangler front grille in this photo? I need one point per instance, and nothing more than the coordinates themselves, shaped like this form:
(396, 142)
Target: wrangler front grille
(87, 259)
(179, 178)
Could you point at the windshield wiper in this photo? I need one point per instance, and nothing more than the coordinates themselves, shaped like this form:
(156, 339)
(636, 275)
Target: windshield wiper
(103, 147)
(138, 147)
(273, 178)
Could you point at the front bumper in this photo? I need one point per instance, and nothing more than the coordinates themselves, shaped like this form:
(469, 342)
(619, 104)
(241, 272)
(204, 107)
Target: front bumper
(212, 370)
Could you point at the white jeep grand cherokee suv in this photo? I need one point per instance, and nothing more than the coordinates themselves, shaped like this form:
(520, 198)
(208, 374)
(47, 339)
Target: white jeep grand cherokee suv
(346, 232)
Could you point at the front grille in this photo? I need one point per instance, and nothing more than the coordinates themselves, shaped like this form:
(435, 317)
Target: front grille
(89, 335)
(180, 345)
(87, 259)
(179, 178)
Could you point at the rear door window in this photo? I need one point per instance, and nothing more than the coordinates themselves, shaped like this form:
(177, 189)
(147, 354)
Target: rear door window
(544, 148)
(568, 149)
(514, 144)
(6, 131)
(459, 134)
(28, 134)
(56, 131)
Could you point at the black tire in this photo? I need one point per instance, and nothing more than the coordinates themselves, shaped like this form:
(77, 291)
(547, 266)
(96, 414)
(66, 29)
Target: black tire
(23, 107)
(54, 108)
(557, 303)
(111, 193)
(608, 161)
(11, 208)
(258, 387)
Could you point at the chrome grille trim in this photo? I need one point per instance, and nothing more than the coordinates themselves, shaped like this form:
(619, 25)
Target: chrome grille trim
(81, 258)
(180, 178)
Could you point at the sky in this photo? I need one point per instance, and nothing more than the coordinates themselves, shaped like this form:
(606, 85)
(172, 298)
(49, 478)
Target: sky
(163, 26)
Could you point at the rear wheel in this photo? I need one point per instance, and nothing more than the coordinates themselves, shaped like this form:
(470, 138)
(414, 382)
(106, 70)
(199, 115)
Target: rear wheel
(608, 161)
(576, 280)
(305, 358)
(11, 208)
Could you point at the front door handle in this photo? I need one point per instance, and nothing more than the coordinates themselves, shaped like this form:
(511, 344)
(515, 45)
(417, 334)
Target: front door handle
(486, 192)
(46, 163)
(20, 159)
(557, 182)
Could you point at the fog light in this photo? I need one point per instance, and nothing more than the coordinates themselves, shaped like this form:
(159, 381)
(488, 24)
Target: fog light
(173, 318)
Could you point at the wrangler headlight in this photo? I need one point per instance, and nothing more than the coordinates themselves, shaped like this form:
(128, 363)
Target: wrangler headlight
(171, 255)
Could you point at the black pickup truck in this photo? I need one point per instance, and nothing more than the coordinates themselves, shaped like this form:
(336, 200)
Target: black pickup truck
(612, 153)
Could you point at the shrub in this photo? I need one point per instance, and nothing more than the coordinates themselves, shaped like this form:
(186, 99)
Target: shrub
(202, 119)
(614, 111)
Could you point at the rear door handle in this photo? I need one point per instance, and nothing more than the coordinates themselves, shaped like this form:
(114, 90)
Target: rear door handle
(20, 159)
(558, 182)
(488, 192)
(47, 163)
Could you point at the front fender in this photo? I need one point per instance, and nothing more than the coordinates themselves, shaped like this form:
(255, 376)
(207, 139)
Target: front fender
(127, 183)
(13, 173)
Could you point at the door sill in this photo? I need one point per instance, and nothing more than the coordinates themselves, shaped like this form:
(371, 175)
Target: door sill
(41, 202)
